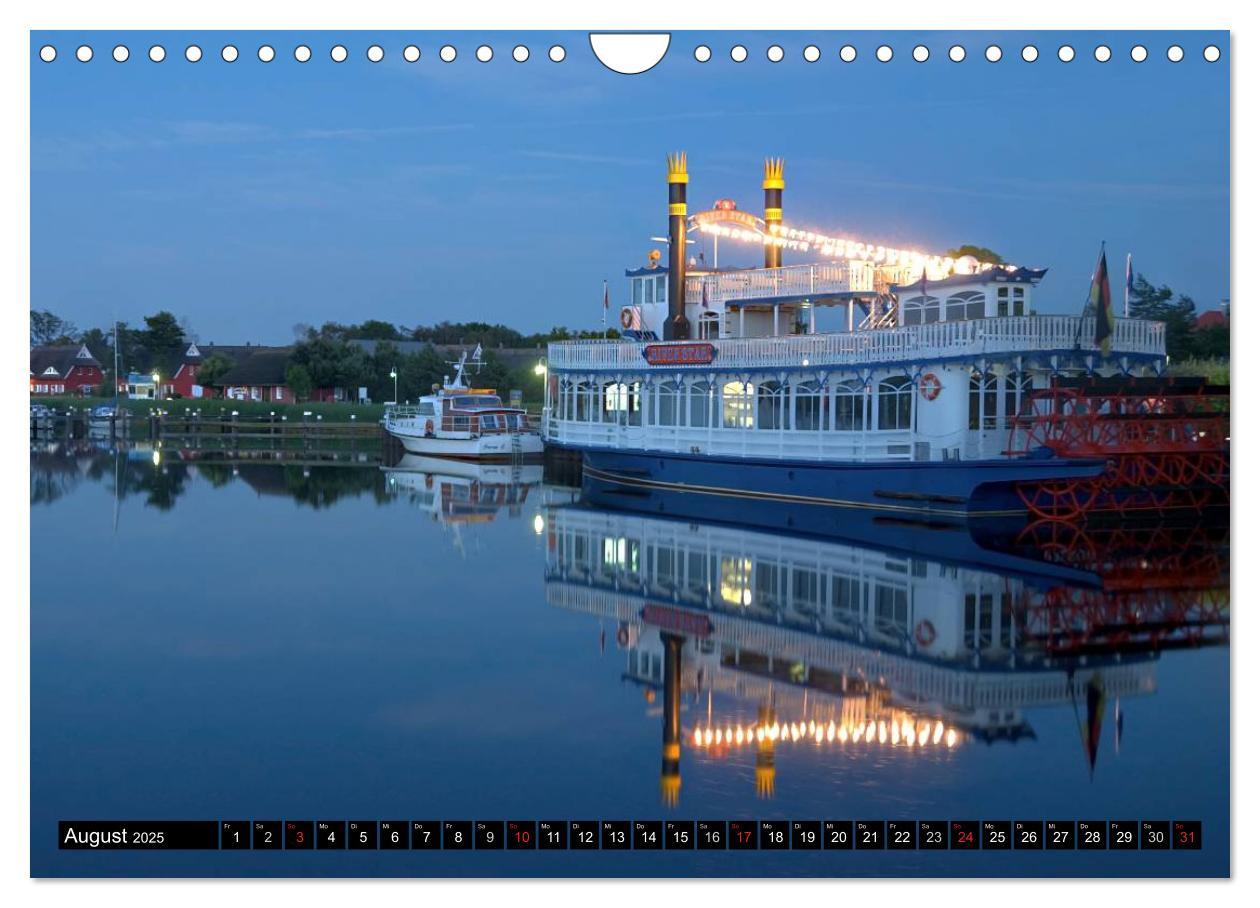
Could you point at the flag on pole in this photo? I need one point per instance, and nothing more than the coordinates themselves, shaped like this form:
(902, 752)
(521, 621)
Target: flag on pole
(605, 296)
(1100, 299)
(1128, 282)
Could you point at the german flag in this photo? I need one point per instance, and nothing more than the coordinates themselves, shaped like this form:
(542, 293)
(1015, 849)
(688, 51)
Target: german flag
(1100, 300)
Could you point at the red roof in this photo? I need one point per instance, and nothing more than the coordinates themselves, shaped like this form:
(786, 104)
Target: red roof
(1213, 318)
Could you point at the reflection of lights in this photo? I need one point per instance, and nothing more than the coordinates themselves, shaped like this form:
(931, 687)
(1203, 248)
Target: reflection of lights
(157, 457)
(897, 730)
(539, 524)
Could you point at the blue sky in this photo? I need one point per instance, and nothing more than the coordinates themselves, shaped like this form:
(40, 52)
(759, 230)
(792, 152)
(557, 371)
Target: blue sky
(250, 197)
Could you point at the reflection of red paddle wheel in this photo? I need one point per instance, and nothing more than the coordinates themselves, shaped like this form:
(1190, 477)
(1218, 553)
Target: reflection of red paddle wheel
(1161, 587)
(1066, 620)
(1166, 442)
(1124, 557)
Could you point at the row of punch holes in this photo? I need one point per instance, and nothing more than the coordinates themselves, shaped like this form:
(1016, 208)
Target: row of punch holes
(556, 53)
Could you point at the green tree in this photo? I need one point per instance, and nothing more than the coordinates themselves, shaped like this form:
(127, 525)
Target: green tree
(212, 370)
(163, 338)
(982, 254)
(374, 329)
(47, 328)
(1158, 304)
(298, 380)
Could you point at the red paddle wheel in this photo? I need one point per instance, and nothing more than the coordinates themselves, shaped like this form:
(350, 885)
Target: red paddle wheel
(1166, 442)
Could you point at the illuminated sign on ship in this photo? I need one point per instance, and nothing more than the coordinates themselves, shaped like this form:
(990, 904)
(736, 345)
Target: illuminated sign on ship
(679, 354)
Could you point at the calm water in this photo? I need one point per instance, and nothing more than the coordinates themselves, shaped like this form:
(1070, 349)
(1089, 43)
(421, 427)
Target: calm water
(259, 640)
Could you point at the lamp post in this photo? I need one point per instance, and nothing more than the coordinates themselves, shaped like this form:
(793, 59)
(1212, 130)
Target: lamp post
(156, 388)
(393, 373)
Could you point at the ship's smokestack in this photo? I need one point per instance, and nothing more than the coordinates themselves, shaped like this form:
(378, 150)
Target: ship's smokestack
(676, 327)
(772, 183)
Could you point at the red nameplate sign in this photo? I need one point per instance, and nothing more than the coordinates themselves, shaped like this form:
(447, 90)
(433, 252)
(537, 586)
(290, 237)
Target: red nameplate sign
(679, 354)
(672, 619)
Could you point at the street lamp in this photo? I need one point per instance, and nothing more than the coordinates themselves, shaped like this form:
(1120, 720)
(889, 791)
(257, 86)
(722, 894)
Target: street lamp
(156, 379)
(541, 368)
(393, 373)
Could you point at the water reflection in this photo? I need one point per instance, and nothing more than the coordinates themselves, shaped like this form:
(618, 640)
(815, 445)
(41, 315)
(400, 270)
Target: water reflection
(932, 640)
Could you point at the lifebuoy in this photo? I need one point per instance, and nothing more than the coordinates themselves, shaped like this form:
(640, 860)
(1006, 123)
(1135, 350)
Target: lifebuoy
(930, 386)
(428, 427)
(627, 318)
(623, 635)
(924, 633)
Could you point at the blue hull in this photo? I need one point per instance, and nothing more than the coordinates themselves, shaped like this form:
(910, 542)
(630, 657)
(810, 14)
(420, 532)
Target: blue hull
(937, 489)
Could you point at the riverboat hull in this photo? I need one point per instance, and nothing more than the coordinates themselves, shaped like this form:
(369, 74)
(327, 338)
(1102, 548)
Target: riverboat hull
(723, 486)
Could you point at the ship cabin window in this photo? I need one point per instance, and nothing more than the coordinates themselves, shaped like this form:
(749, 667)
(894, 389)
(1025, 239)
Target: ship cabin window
(846, 598)
(737, 405)
(921, 310)
(621, 398)
(427, 408)
(808, 411)
(1010, 301)
(666, 404)
(896, 400)
(770, 397)
(700, 404)
(636, 286)
(584, 412)
(660, 288)
(982, 401)
(710, 327)
(1018, 386)
(892, 608)
(967, 305)
(851, 407)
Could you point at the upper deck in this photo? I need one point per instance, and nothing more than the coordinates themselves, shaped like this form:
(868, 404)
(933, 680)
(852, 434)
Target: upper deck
(1002, 335)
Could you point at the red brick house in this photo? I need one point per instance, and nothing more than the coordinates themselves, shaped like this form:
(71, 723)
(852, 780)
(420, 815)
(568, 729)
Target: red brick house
(64, 369)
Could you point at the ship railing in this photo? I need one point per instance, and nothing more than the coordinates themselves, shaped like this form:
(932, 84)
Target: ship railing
(1005, 334)
(792, 280)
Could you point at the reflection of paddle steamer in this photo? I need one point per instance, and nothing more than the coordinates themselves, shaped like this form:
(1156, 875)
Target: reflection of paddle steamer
(798, 641)
(726, 386)
(464, 423)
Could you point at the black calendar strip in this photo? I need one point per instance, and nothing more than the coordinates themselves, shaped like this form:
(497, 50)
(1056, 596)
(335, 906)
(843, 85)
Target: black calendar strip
(631, 835)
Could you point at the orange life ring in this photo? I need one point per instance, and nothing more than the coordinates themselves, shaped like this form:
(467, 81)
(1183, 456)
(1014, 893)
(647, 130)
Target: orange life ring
(930, 386)
(924, 633)
(623, 635)
(428, 427)
(627, 318)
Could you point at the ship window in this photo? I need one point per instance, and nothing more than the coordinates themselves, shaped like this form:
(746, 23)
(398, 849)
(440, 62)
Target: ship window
(807, 406)
(585, 411)
(638, 283)
(964, 306)
(699, 398)
(427, 409)
(615, 400)
(846, 597)
(921, 310)
(770, 405)
(667, 404)
(896, 398)
(1018, 386)
(1017, 301)
(1003, 301)
(634, 400)
(850, 407)
(805, 590)
(982, 401)
(737, 405)
(660, 288)
(734, 584)
(891, 607)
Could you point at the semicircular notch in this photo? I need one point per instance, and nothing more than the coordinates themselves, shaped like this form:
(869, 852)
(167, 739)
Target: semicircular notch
(630, 53)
